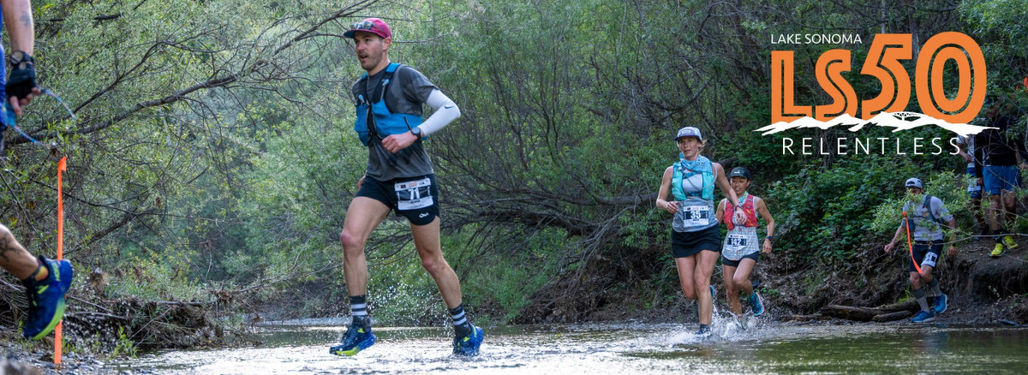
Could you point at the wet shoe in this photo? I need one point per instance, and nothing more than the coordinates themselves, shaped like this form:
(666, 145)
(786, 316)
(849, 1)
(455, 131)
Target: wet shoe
(757, 304)
(1009, 242)
(997, 251)
(923, 317)
(940, 303)
(703, 332)
(355, 339)
(467, 346)
(46, 298)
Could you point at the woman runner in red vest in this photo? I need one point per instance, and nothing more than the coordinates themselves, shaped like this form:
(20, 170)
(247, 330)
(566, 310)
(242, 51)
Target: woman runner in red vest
(740, 252)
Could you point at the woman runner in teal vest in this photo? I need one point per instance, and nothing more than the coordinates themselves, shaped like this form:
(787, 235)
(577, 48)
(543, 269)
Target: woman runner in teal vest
(695, 236)
(740, 252)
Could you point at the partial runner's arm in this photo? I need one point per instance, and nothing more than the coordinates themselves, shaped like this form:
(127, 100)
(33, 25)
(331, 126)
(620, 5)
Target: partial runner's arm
(766, 214)
(18, 18)
(21, 85)
(445, 112)
(722, 182)
(720, 212)
(665, 187)
(892, 244)
(952, 237)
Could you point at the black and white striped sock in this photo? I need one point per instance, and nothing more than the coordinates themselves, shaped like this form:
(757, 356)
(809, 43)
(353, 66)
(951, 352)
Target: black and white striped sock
(458, 315)
(461, 324)
(359, 309)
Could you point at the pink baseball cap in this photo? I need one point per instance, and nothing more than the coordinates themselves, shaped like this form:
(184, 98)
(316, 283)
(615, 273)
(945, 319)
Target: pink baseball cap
(372, 25)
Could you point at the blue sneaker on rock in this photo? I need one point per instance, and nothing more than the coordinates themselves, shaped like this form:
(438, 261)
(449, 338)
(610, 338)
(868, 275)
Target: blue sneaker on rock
(46, 298)
(940, 303)
(468, 345)
(923, 317)
(356, 338)
(757, 303)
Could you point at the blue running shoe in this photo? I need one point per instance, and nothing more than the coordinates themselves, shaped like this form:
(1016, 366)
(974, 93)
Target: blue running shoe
(757, 303)
(923, 317)
(467, 346)
(940, 303)
(355, 339)
(703, 332)
(46, 298)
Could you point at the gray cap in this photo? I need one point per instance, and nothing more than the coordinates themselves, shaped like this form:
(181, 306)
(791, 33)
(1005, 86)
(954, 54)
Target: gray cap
(689, 131)
(740, 172)
(914, 182)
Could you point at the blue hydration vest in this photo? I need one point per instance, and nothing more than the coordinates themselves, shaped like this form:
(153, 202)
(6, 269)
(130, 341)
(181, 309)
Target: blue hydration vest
(383, 123)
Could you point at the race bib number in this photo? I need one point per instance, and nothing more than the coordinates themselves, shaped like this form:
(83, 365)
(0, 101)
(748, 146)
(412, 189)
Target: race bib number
(929, 260)
(696, 216)
(412, 195)
(736, 241)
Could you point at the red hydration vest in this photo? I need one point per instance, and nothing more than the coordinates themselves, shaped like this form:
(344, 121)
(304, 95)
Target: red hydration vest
(747, 208)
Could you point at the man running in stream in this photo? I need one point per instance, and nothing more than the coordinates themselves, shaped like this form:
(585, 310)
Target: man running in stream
(740, 252)
(399, 177)
(924, 213)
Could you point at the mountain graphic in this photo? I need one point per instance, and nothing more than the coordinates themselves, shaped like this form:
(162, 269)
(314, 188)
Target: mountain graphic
(897, 120)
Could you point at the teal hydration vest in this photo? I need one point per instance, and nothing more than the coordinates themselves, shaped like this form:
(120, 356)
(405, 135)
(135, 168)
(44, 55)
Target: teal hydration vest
(374, 120)
(684, 169)
(696, 208)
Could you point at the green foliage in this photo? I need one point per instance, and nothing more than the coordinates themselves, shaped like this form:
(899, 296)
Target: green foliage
(124, 346)
(510, 280)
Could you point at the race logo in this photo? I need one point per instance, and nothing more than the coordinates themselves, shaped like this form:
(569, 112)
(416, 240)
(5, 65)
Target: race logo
(885, 64)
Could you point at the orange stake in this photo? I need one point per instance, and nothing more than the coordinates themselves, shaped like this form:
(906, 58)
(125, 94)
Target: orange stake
(61, 166)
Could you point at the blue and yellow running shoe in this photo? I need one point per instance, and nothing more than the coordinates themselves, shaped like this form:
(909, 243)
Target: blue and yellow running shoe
(757, 303)
(468, 345)
(357, 338)
(46, 298)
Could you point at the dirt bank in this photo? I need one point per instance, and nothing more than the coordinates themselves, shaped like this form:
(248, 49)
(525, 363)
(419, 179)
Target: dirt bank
(982, 290)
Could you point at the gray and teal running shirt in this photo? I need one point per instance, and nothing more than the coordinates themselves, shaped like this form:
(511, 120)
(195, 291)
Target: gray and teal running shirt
(922, 228)
(406, 93)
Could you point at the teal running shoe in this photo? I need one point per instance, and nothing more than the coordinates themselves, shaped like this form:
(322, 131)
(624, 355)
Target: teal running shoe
(923, 317)
(357, 338)
(757, 303)
(468, 345)
(940, 303)
(46, 298)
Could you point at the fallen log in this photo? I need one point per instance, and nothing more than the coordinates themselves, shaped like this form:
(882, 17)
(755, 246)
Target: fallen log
(860, 314)
(888, 317)
(910, 305)
(866, 314)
